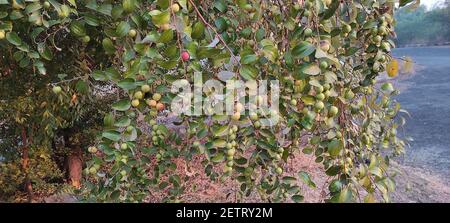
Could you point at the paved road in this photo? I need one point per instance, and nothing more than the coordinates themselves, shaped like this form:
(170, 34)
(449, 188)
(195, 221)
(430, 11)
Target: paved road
(427, 99)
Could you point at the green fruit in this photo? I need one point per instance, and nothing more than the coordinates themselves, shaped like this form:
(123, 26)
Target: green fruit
(57, 89)
(145, 88)
(86, 39)
(306, 13)
(229, 158)
(323, 65)
(158, 156)
(92, 170)
(227, 169)
(230, 163)
(293, 102)
(123, 146)
(320, 96)
(388, 87)
(277, 156)
(123, 172)
(129, 5)
(347, 28)
(333, 111)
(377, 39)
(229, 146)
(108, 45)
(132, 33)
(196, 144)
(138, 95)
(319, 89)
(319, 105)
(308, 32)
(130, 129)
(253, 116)
(279, 171)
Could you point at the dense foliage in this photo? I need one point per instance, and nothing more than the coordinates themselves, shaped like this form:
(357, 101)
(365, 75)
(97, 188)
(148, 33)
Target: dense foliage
(57, 58)
(422, 26)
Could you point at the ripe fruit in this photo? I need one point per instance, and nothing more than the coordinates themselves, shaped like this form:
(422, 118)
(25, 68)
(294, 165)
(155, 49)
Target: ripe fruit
(132, 33)
(145, 88)
(333, 111)
(2, 34)
(175, 7)
(138, 95)
(165, 26)
(57, 89)
(160, 106)
(308, 32)
(156, 97)
(135, 102)
(151, 103)
(185, 56)
(236, 116)
(92, 149)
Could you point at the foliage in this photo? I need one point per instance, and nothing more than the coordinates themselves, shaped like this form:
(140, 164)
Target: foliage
(423, 26)
(325, 53)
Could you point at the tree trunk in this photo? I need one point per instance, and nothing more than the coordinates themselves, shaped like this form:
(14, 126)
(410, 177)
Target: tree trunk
(25, 161)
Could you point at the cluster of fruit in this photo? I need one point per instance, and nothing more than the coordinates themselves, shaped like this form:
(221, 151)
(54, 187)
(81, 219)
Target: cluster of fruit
(231, 149)
(153, 102)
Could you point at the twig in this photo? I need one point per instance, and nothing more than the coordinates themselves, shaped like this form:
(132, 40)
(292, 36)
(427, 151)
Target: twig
(214, 30)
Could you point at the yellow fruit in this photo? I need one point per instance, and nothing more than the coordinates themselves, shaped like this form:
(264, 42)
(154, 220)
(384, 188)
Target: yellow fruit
(175, 7)
(156, 97)
(145, 88)
(138, 95)
(2, 34)
(151, 103)
(236, 116)
(132, 33)
(239, 107)
(165, 26)
(135, 102)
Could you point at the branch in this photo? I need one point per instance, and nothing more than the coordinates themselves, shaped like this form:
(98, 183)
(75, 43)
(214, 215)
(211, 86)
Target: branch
(213, 29)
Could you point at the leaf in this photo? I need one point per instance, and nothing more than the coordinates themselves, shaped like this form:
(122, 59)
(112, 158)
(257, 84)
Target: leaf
(123, 122)
(289, 180)
(219, 143)
(219, 157)
(345, 196)
(306, 179)
(127, 84)
(248, 72)
(249, 59)
(331, 9)
(334, 147)
(122, 105)
(160, 18)
(122, 29)
(105, 9)
(13, 38)
(405, 2)
(220, 5)
(311, 69)
(297, 198)
(303, 49)
(111, 135)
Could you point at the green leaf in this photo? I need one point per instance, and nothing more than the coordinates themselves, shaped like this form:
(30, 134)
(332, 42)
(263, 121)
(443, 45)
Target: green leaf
(249, 59)
(311, 69)
(221, 24)
(248, 72)
(297, 198)
(219, 157)
(303, 49)
(127, 84)
(13, 38)
(220, 5)
(334, 147)
(123, 122)
(105, 9)
(122, 105)
(306, 179)
(122, 29)
(289, 180)
(111, 135)
(160, 18)
(345, 196)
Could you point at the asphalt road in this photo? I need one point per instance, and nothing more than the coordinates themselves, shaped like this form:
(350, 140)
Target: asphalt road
(426, 96)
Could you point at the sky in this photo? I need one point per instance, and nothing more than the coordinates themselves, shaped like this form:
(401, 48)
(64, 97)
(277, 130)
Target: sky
(430, 3)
